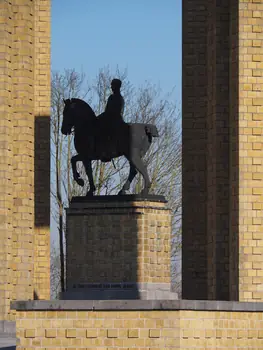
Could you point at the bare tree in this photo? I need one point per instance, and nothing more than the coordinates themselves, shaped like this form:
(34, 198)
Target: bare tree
(64, 85)
(55, 272)
(145, 105)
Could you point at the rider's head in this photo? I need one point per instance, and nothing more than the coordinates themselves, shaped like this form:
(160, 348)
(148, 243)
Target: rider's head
(116, 85)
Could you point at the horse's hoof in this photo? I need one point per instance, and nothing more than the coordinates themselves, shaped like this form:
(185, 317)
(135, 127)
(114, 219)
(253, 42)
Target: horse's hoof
(121, 192)
(144, 192)
(90, 193)
(80, 182)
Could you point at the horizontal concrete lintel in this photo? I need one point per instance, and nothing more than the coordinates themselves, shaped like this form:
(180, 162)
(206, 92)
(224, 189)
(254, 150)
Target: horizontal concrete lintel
(113, 203)
(136, 305)
(81, 209)
(119, 198)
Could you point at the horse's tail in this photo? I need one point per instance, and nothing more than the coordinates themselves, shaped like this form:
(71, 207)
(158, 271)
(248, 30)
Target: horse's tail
(151, 131)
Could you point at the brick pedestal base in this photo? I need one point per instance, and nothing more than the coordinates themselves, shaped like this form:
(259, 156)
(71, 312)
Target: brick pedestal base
(118, 247)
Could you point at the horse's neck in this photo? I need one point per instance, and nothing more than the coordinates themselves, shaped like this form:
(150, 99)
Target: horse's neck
(84, 123)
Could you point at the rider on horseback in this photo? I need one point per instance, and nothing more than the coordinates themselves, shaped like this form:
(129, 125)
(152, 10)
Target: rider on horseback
(112, 118)
(115, 105)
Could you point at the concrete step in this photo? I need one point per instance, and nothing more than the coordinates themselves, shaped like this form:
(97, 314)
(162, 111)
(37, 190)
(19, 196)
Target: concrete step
(7, 341)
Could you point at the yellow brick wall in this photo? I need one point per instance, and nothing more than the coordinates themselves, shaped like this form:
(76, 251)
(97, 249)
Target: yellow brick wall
(6, 159)
(154, 246)
(24, 53)
(250, 150)
(22, 43)
(141, 330)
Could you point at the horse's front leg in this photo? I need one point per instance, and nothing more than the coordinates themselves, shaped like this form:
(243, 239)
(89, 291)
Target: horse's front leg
(76, 175)
(88, 168)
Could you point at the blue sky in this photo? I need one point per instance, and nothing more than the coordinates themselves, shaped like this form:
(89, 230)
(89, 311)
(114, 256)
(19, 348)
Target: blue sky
(143, 36)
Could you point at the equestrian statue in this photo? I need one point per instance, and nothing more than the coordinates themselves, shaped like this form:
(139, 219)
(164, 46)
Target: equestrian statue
(106, 137)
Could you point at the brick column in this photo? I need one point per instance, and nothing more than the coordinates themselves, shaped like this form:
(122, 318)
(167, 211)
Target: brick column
(24, 52)
(23, 148)
(222, 245)
(118, 247)
(6, 159)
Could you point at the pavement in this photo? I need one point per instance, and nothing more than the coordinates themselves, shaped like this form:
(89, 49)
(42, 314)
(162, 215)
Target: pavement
(7, 342)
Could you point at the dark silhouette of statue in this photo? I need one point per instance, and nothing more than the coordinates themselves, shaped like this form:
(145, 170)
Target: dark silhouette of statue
(109, 122)
(115, 105)
(106, 137)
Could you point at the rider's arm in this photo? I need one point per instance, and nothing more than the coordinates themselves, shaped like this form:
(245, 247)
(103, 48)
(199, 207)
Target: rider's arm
(109, 105)
(122, 106)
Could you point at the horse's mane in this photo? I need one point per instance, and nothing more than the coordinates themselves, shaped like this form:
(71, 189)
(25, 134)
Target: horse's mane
(85, 106)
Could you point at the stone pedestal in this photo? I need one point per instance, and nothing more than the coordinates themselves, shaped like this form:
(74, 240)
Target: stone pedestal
(118, 247)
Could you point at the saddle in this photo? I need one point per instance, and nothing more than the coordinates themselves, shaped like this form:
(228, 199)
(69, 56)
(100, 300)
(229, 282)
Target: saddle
(107, 133)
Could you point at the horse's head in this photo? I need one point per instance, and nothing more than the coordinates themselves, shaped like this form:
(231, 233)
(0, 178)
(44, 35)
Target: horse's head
(76, 113)
(68, 121)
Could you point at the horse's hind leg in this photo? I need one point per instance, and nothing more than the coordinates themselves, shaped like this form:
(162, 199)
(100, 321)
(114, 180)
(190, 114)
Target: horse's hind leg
(137, 162)
(131, 176)
(76, 175)
(88, 169)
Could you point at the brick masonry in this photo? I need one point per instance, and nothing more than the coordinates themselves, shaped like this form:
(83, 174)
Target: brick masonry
(118, 241)
(222, 179)
(194, 146)
(222, 146)
(42, 105)
(139, 324)
(24, 147)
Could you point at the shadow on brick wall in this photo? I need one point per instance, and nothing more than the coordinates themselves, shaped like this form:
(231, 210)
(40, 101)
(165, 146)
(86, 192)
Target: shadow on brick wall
(102, 253)
(234, 155)
(42, 171)
(210, 160)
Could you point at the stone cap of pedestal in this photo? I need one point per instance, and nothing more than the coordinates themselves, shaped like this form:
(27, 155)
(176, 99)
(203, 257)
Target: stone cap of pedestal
(117, 201)
(7, 327)
(129, 305)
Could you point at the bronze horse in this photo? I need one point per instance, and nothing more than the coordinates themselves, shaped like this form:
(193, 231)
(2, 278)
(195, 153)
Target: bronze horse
(97, 139)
